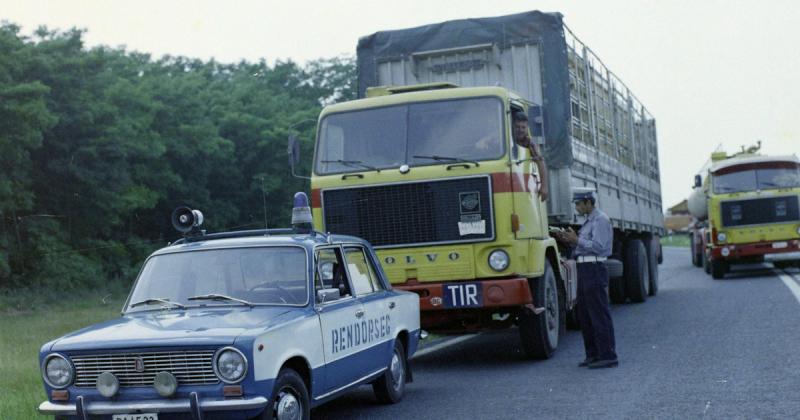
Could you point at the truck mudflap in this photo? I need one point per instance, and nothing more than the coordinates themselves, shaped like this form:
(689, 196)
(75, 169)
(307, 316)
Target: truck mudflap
(459, 295)
(768, 250)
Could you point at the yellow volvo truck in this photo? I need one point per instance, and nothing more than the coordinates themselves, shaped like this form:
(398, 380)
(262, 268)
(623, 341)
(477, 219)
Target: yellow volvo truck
(428, 172)
(747, 211)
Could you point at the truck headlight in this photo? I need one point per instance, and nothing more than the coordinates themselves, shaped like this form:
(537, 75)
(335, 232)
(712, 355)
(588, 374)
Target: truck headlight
(722, 237)
(498, 260)
(230, 365)
(58, 371)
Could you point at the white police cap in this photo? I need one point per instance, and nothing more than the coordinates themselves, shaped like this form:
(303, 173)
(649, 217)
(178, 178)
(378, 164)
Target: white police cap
(583, 193)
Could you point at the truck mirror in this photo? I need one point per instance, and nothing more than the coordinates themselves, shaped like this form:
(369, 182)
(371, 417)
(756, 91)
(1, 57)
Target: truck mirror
(698, 181)
(536, 123)
(293, 150)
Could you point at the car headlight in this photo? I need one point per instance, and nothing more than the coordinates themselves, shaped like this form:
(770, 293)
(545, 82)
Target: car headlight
(498, 260)
(230, 365)
(58, 371)
(722, 237)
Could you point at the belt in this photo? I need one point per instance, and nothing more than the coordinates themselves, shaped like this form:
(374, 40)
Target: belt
(589, 258)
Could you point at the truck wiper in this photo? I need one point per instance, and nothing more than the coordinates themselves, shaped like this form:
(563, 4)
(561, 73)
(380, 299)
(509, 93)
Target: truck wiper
(214, 296)
(157, 300)
(447, 159)
(352, 163)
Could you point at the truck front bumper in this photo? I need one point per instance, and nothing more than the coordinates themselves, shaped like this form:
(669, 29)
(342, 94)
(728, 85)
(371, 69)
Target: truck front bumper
(496, 293)
(193, 405)
(764, 251)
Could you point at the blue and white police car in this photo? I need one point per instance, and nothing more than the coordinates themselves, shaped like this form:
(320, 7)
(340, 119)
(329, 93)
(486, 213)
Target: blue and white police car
(238, 325)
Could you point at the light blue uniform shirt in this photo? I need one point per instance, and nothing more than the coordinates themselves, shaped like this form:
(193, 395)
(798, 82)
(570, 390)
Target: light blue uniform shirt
(596, 237)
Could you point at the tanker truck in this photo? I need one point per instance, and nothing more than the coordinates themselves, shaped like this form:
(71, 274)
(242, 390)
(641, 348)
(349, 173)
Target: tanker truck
(424, 167)
(745, 209)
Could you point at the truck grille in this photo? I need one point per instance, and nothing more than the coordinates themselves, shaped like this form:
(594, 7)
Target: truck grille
(760, 211)
(418, 213)
(189, 367)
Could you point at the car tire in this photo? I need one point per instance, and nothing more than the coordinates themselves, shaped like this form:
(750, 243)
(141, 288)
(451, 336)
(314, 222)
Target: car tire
(637, 276)
(289, 395)
(652, 265)
(391, 385)
(540, 333)
(718, 269)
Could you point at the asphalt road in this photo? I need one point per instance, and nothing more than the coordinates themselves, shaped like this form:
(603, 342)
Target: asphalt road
(702, 348)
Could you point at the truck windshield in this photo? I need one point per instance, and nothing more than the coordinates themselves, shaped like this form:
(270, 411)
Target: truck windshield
(757, 179)
(261, 276)
(387, 137)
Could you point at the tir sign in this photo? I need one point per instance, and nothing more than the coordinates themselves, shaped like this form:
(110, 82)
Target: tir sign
(466, 295)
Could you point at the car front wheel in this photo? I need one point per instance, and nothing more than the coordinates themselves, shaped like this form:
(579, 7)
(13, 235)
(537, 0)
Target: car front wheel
(290, 398)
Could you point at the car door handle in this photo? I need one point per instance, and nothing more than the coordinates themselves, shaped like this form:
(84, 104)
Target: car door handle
(391, 305)
(359, 313)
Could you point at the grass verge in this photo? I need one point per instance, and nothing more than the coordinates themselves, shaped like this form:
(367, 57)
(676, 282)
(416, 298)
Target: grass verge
(24, 330)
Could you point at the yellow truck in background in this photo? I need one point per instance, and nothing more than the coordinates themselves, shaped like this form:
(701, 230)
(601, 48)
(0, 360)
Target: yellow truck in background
(746, 207)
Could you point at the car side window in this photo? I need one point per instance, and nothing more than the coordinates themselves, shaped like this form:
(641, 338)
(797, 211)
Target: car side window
(361, 272)
(330, 272)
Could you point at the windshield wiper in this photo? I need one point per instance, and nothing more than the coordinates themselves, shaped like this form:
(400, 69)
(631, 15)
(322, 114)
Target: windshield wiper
(157, 300)
(214, 296)
(352, 163)
(447, 159)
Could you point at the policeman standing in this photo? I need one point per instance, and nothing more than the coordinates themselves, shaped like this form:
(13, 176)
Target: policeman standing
(592, 245)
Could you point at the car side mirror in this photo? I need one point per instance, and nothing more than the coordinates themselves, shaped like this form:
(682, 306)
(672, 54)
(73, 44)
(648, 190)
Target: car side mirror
(327, 295)
(698, 181)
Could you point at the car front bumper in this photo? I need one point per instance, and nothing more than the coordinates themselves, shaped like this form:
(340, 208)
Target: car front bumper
(193, 405)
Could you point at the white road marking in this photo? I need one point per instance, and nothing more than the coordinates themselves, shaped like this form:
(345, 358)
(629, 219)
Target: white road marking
(790, 282)
(447, 343)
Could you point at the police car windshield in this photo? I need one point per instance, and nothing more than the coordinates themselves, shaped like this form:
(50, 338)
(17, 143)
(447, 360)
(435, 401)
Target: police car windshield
(261, 276)
(469, 129)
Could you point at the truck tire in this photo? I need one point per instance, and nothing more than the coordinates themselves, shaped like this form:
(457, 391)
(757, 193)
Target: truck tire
(718, 269)
(637, 277)
(540, 333)
(706, 264)
(697, 257)
(652, 265)
(660, 251)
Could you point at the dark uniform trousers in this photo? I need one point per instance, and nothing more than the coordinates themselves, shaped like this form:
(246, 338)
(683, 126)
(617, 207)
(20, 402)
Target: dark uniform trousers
(593, 311)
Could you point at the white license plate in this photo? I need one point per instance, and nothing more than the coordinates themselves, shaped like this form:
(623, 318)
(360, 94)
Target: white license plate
(143, 416)
(778, 245)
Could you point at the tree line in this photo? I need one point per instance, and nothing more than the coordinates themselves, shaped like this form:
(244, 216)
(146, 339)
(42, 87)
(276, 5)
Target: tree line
(99, 145)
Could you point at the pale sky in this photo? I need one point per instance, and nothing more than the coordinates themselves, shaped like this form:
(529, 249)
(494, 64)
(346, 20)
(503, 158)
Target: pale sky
(711, 72)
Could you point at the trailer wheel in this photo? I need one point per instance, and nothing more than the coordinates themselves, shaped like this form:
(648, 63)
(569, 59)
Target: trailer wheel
(718, 269)
(637, 277)
(697, 257)
(652, 265)
(540, 333)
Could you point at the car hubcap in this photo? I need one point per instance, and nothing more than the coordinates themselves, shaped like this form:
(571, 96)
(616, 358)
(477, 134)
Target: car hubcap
(288, 407)
(396, 369)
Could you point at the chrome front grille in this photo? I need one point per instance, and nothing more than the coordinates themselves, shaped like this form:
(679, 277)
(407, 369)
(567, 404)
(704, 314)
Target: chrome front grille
(139, 369)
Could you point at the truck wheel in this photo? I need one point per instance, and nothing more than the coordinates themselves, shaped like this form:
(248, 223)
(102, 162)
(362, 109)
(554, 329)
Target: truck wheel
(697, 257)
(540, 333)
(652, 265)
(660, 251)
(637, 277)
(706, 264)
(718, 269)
(289, 397)
(389, 388)
(616, 290)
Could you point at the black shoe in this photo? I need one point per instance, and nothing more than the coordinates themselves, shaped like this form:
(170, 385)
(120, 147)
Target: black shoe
(587, 361)
(599, 364)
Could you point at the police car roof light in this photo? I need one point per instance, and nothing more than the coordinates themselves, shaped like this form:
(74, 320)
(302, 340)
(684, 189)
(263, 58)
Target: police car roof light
(301, 212)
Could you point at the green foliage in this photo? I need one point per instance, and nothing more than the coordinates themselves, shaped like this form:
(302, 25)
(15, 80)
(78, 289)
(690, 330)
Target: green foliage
(99, 145)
